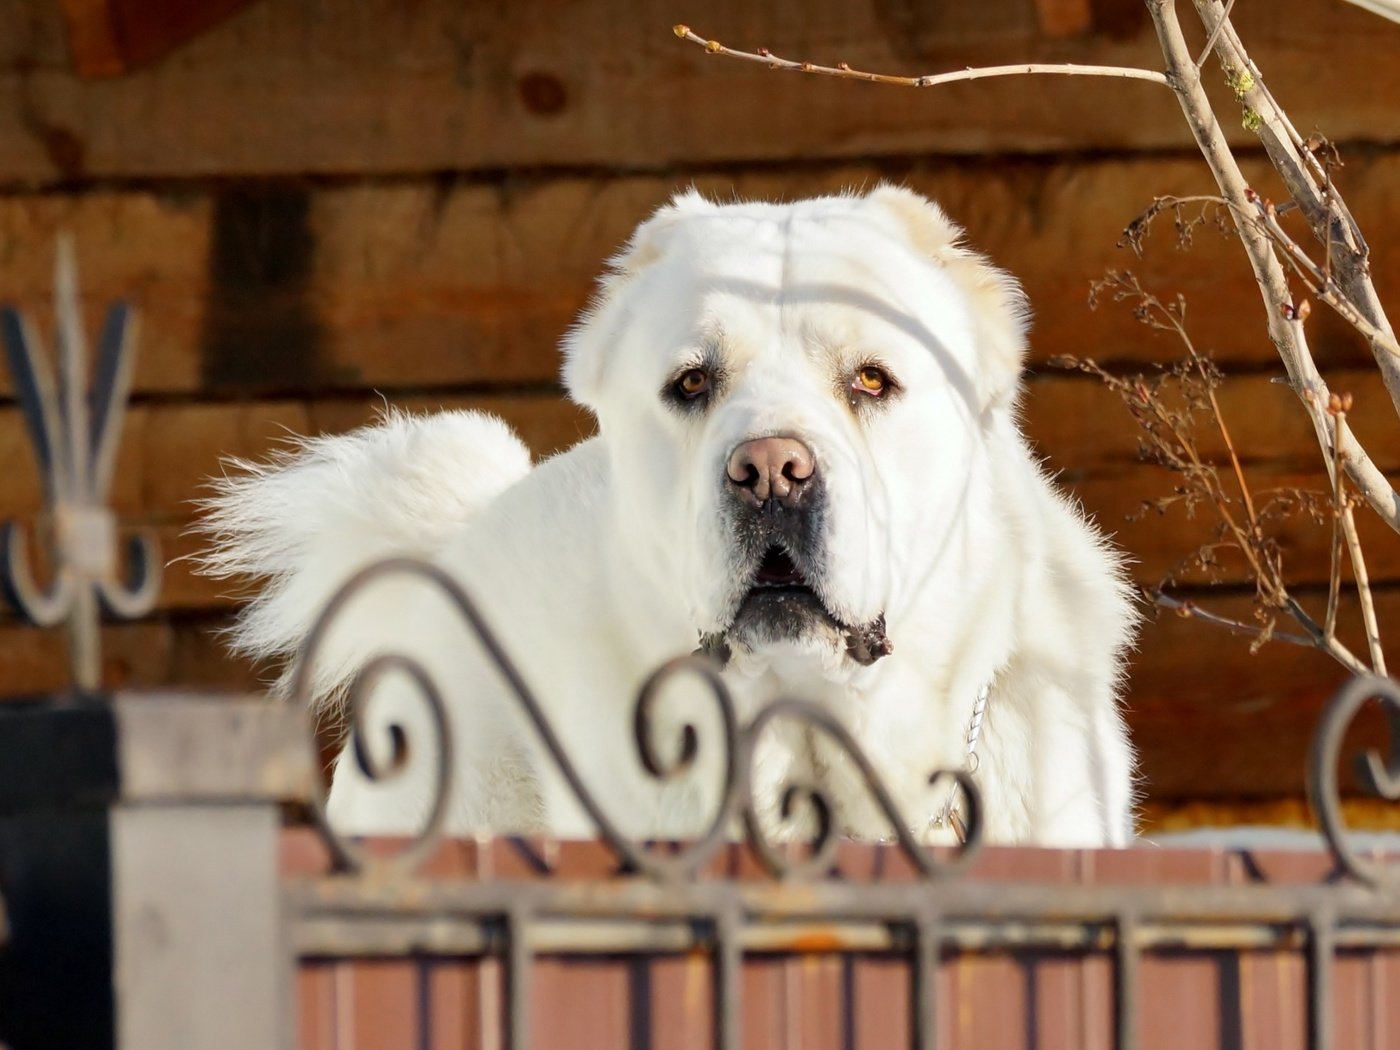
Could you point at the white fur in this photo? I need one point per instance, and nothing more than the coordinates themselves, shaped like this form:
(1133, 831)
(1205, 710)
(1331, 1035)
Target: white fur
(602, 562)
(325, 507)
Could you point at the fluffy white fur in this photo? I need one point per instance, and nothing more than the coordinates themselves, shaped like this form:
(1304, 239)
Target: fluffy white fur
(603, 561)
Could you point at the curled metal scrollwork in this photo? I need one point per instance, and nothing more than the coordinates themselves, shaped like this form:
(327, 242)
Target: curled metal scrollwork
(737, 800)
(1377, 774)
(821, 842)
(692, 857)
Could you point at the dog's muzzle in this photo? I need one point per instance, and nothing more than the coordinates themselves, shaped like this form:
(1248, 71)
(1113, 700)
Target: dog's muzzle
(775, 508)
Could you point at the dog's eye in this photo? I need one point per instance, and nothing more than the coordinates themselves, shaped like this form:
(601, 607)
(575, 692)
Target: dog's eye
(871, 380)
(692, 383)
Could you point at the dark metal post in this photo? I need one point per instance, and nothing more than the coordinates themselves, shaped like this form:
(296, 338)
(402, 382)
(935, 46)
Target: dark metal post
(138, 864)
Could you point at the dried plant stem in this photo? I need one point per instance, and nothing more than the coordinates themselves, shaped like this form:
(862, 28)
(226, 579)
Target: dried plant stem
(1318, 278)
(845, 72)
(1224, 432)
(1330, 646)
(1334, 579)
(1244, 537)
(1363, 591)
(1169, 440)
(1346, 520)
(1185, 607)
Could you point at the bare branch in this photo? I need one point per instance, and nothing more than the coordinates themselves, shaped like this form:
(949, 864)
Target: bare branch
(842, 70)
(1190, 610)
(1319, 280)
(1307, 179)
(1287, 334)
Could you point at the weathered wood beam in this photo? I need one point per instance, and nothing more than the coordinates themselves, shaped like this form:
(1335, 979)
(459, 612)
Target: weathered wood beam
(288, 88)
(1059, 19)
(111, 37)
(283, 288)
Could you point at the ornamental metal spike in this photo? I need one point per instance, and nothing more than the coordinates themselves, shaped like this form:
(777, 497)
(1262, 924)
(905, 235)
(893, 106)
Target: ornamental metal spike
(75, 431)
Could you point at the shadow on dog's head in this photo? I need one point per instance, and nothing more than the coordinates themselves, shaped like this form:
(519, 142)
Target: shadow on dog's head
(795, 401)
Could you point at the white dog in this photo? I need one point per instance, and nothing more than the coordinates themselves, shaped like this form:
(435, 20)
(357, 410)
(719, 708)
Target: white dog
(808, 463)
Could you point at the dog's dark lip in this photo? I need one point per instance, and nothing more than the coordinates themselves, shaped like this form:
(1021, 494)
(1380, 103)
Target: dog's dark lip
(778, 583)
(778, 579)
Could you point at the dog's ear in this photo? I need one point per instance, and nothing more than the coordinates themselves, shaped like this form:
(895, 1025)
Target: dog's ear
(999, 308)
(586, 345)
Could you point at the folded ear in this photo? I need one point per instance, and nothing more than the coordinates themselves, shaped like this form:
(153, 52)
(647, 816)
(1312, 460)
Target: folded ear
(587, 344)
(1000, 312)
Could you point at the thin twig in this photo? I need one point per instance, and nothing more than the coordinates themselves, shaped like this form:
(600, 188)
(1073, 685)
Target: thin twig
(1363, 591)
(1319, 281)
(1244, 538)
(842, 70)
(1334, 580)
(1196, 359)
(1188, 608)
(1223, 21)
(1347, 521)
(1264, 213)
(1330, 646)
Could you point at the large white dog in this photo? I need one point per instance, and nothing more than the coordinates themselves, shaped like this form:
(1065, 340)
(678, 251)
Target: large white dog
(808, 463)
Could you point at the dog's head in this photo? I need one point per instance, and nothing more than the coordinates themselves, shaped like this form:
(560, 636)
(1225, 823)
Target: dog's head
(793, 399)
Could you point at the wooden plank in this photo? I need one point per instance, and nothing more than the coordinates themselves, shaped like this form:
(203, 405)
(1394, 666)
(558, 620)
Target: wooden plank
(413, 286)
(111, 37)
(286, 87)
(1064, 18)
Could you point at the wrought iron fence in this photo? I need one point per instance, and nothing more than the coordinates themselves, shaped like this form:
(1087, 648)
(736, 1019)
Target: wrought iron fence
(139, 833)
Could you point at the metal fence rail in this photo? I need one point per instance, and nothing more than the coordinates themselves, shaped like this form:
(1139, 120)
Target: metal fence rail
(662, 900)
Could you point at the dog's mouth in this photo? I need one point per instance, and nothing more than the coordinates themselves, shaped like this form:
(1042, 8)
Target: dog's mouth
(781, 605)
(777, 571)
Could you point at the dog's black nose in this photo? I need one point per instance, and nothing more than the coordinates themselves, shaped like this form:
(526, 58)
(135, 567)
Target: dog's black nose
(776, 468)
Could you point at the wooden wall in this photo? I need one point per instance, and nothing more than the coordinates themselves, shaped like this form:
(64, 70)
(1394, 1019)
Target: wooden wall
(320, 204)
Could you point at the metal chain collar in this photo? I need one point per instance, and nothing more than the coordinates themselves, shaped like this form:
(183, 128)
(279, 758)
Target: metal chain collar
(949, 816)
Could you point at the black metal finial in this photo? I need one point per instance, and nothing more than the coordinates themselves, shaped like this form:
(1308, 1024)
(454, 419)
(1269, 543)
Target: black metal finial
(75, 432)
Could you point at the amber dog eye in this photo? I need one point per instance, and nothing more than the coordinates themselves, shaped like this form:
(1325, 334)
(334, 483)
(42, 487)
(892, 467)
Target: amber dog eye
(692, 383)
(871, 380)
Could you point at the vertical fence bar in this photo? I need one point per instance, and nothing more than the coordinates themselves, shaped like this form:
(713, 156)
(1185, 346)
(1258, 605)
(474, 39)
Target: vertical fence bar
(519, 959)
(729, 961)
(1125, 982)
(923, 984)
(1321, 930)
